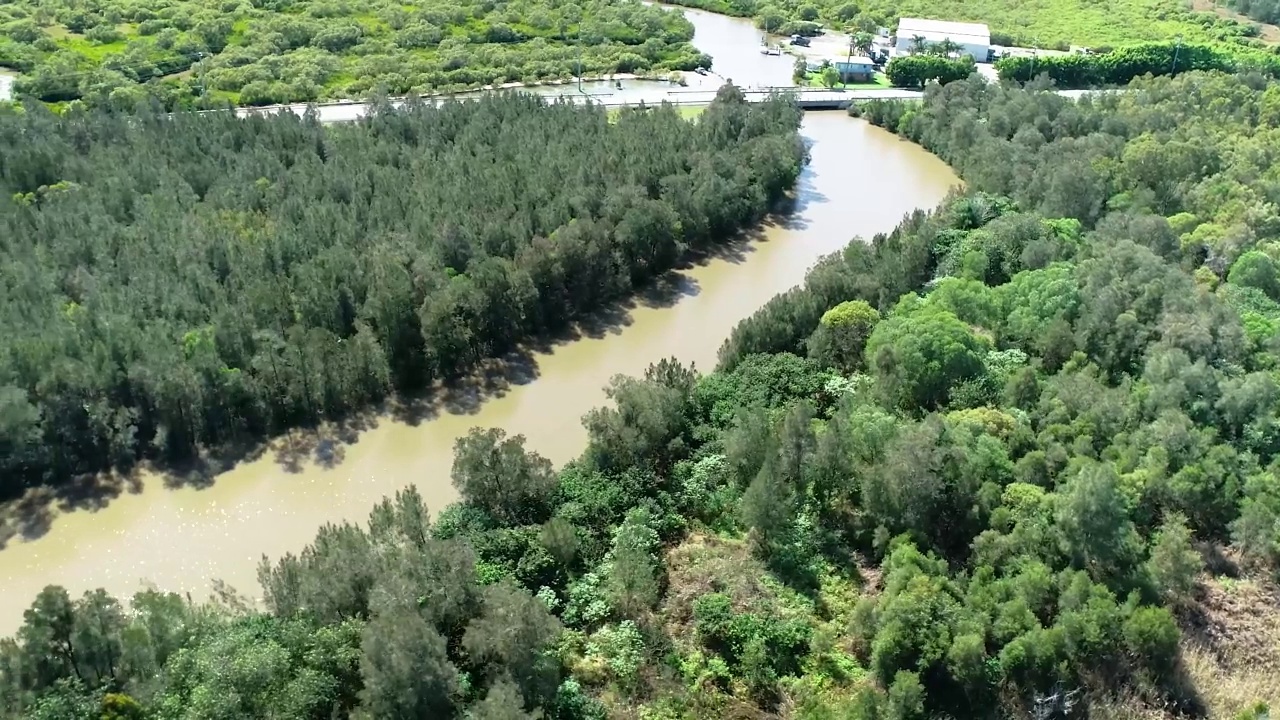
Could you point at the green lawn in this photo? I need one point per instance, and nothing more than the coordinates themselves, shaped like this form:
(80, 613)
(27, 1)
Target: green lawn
(814, 80)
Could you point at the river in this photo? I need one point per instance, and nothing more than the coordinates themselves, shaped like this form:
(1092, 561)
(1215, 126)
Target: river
(862, 180)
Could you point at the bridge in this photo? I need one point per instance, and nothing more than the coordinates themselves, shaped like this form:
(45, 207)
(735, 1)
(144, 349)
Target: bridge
(807, 99)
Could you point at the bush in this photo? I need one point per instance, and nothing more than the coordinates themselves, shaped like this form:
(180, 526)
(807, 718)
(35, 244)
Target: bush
(104, 35)
(913, 71)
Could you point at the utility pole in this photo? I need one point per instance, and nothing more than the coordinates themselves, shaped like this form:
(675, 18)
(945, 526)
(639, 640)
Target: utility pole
(580, 56)
(1035, 50)
(848, 62)
(200, 72)
(1176, 48)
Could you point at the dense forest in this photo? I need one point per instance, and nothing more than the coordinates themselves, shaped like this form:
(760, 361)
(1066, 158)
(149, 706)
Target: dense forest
(1016, 458)
(185, 51)
(175, 283)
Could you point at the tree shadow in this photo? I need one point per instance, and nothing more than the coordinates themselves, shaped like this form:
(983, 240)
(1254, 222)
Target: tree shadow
(735, 250)
(320, 445)
(804, 196)
(29, 517)
(1181, 695)
(1216, 561)
(200, 470)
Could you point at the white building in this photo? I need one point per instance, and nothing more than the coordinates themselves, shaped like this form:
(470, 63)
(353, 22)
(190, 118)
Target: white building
(973, 38)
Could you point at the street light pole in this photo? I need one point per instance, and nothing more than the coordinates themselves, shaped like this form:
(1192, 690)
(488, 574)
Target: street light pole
(1176, 48)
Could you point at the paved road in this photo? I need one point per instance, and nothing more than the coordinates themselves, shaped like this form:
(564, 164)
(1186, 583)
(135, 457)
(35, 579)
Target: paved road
(347, 112)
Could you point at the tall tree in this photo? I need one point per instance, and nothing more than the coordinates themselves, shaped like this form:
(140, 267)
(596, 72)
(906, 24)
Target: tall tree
(495, 473)
(405, 669)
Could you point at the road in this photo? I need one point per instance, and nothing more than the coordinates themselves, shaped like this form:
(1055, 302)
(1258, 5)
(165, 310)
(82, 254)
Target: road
(349, 111)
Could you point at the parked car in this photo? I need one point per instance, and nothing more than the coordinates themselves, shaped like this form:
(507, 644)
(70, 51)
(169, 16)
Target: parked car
(799, 41)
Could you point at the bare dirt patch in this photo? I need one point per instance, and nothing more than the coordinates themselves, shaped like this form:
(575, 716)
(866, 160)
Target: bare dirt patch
(706, 564)
(1238, 621)
(1231, 644)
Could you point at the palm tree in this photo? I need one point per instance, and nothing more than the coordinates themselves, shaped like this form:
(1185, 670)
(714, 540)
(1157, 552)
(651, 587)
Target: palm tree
(946, 48)
(918, 44)
(863, 42)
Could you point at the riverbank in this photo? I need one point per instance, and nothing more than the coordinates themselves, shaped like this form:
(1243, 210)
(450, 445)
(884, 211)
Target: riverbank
(183, 536)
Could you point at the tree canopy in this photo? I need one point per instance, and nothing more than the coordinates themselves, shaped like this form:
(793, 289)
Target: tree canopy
(183, 51)
(241, 277)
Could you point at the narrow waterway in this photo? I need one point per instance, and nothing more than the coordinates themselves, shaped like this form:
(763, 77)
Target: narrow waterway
(861, 181)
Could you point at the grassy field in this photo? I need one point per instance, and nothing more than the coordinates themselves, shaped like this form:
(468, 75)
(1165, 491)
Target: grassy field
(1074, 22)
(1053, 23)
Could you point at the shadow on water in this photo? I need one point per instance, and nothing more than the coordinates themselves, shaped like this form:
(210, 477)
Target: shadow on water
(805, 196)
(324, 444)
(31, 515)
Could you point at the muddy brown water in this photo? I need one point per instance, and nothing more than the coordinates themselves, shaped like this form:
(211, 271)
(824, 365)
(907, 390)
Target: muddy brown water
(862, 180)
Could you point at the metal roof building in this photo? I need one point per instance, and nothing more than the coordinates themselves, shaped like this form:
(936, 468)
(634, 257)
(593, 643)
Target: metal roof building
(973, 38)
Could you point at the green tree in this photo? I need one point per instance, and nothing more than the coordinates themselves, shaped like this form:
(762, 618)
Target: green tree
(511, 638)
(769, 511)
(495, 472)
(1174, 562)
(841, 337)
(906, 697)
(405, 668)
(632, 580)
(560, 538)
(1256, 269)
(917, 355)
(645, 429)
(503, 702)
(830, 76)
(1094, 523)
(1151, 637)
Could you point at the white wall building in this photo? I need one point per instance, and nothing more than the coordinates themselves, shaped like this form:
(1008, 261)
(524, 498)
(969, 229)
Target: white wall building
(973, 38)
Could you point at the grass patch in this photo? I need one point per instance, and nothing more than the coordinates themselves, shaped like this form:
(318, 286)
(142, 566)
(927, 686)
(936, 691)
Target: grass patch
(1054, 22)
(814, 80)
(688, 112)
(1226, 692)
(1064, 21)
(89, 49)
